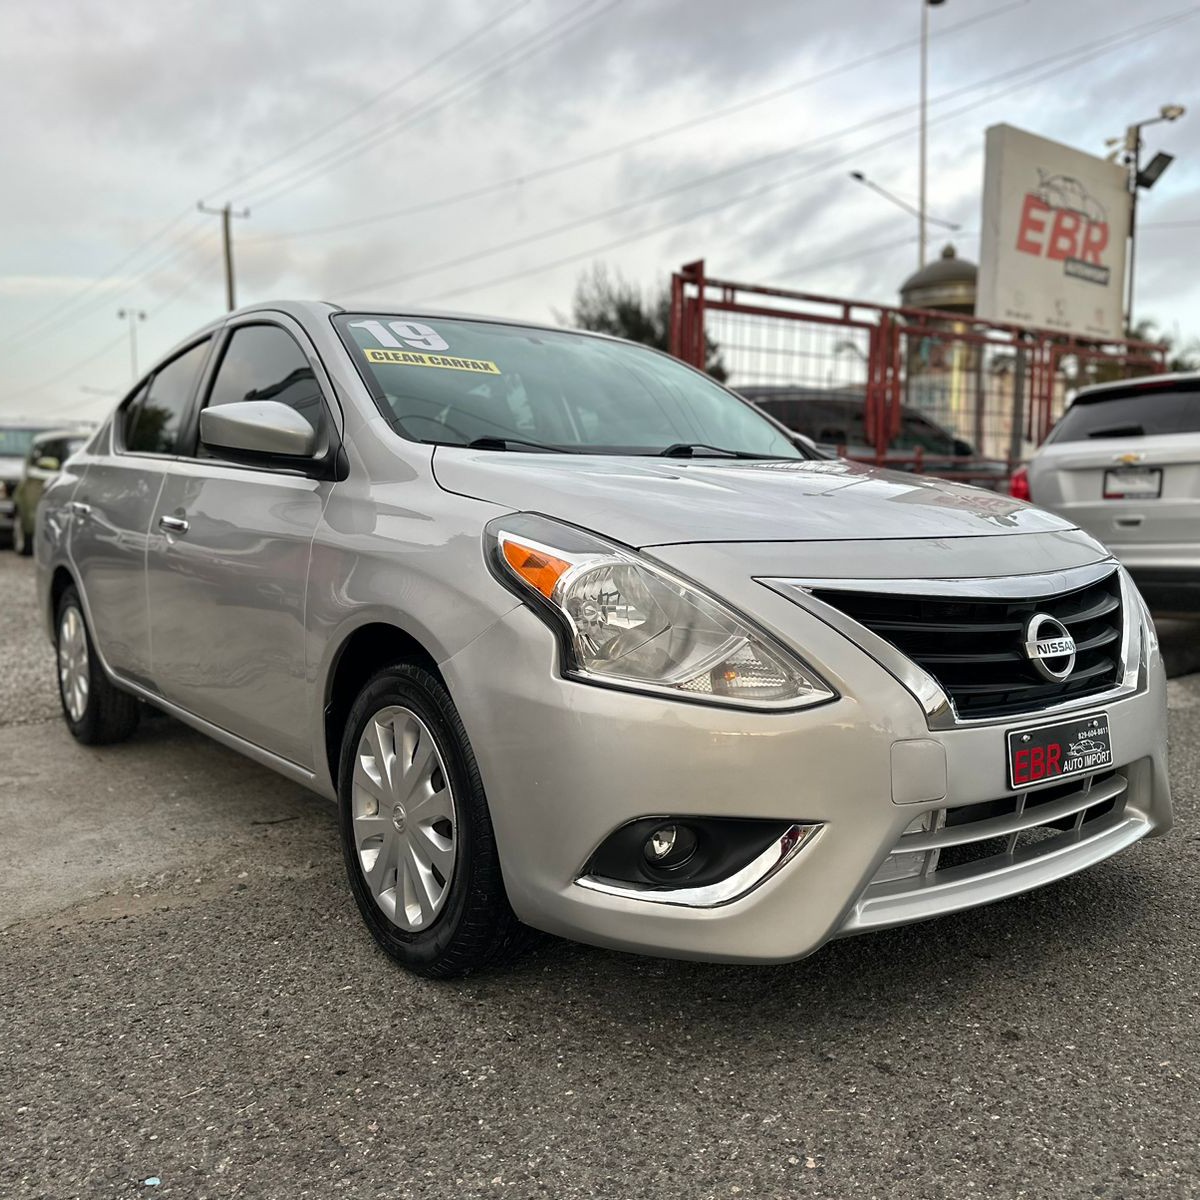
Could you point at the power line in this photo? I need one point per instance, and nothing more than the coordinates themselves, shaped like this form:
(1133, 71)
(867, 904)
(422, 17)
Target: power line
(49, 323)
(642, 139)
(119, 340)
(1083, 53)
(320, 165)
(487, 27)
(21, 332)
(188, 284)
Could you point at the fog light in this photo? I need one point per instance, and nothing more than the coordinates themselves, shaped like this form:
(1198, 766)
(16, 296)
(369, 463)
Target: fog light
(669, 846)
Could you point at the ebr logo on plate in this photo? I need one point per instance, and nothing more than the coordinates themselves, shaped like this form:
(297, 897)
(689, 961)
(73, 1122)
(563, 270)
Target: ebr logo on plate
(1051, 752)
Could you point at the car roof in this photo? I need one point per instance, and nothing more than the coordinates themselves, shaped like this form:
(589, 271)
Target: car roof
(322, 310)
(1175, 381)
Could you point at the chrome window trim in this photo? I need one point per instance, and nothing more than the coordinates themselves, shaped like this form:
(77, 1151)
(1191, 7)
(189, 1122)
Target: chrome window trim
(935, 702)
(713, 895)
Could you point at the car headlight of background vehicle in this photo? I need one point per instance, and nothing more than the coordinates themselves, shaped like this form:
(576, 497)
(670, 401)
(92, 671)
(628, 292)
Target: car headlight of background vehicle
(626, 623)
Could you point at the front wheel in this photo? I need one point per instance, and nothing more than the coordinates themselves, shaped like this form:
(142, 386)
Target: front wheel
(96, 711)
(416, 834)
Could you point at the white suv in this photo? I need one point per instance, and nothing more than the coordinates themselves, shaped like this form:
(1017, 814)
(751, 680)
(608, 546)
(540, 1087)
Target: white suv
(1124, 464)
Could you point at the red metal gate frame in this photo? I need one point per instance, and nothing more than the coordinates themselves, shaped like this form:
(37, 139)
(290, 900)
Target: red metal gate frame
(693, 294)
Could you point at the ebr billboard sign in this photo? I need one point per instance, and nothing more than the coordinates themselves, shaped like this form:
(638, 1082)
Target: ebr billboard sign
(1052, 247)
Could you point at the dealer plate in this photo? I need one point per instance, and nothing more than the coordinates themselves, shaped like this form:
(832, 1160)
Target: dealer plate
(1133, 483)
(1049, 752)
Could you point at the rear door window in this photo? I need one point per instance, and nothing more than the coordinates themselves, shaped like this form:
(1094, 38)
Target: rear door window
(154, 422)
(1136, 414)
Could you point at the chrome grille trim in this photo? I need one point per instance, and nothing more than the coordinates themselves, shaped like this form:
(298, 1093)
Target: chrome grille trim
(935, 701)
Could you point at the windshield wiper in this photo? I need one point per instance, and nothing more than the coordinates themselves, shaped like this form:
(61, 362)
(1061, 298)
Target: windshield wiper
(492, 442)
(688, 450)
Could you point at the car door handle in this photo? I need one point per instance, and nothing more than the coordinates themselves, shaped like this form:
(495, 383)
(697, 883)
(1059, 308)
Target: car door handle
(1129, 522)
(173, 524)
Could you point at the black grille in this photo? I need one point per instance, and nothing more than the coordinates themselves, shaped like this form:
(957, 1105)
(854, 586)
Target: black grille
(973, 647)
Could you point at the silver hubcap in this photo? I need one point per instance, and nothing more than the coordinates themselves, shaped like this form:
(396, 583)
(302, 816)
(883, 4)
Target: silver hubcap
(405, 826)
(73, 673)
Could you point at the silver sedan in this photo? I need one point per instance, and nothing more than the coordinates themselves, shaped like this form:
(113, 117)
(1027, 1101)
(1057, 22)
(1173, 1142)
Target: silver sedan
(580, 641)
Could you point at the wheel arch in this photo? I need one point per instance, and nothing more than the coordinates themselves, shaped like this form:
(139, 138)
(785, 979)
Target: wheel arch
(361, 654)
(59, 582)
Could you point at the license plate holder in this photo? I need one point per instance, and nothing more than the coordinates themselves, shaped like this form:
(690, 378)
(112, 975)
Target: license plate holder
(1133, 483)
(1046, 753)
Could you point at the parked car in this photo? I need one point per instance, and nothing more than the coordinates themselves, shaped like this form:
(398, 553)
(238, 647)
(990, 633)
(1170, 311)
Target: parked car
(1124, 464)
(47, 452)
(578, 639)
(836, 422)
(16, 438)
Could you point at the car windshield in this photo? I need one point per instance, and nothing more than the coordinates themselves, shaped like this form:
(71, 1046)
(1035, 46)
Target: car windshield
(15, 443)
(1142, 413)
(457, 382)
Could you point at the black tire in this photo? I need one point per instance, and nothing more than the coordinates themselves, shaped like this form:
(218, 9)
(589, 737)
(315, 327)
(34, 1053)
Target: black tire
(22, 543)
(476, 928)
(108, 714)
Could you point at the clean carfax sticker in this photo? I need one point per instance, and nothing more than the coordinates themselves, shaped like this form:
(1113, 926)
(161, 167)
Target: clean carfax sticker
(410, 358)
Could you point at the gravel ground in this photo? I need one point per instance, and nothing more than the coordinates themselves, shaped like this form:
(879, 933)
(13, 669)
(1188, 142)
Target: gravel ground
(192, 1009)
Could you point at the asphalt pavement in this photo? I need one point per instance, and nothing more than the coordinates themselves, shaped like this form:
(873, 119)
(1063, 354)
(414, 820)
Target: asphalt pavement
(193, 1009)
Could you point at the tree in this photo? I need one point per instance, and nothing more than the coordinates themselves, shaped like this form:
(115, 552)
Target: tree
(1181, 355)
(611, 304)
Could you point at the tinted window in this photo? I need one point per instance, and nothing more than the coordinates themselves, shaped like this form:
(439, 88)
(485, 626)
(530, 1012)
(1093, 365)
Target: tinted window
(1135, 414)
(15, 443)
(455, 381)
(155, 424)
(60, 448)
(263, 362)
(918, 432)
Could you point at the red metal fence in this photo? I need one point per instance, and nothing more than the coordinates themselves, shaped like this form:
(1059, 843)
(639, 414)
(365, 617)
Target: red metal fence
(917, 388)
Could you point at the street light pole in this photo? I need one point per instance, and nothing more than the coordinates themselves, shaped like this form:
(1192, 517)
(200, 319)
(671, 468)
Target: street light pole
(1139, 179)
(926, 5)
(132, 316)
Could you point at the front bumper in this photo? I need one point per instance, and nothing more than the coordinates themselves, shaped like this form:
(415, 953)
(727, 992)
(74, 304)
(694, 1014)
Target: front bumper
(564, 764)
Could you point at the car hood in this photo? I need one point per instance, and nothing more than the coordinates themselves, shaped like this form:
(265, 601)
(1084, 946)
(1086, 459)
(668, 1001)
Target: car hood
(647, 502)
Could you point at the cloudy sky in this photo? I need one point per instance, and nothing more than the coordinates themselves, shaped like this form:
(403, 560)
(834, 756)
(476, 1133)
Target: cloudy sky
(481, 153)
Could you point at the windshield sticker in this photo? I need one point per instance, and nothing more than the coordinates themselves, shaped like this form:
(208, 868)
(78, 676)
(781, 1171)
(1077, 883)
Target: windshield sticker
(410, 333)
(410, 358)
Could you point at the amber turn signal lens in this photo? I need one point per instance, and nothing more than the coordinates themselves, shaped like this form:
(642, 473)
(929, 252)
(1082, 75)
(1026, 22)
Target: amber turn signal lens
(537, 568)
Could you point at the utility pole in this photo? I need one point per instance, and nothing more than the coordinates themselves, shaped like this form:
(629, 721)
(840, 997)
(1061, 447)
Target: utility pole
(926, 5)
(132, 316)
(226, 213)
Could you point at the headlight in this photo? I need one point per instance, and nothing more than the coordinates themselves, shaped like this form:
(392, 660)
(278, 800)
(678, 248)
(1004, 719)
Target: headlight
(627, 623)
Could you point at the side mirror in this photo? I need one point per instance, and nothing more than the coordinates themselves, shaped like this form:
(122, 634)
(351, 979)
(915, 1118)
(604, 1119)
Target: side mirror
(258, 427)
(47, 463)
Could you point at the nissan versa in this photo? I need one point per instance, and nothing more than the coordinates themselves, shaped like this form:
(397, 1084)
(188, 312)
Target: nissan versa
(580, 640)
